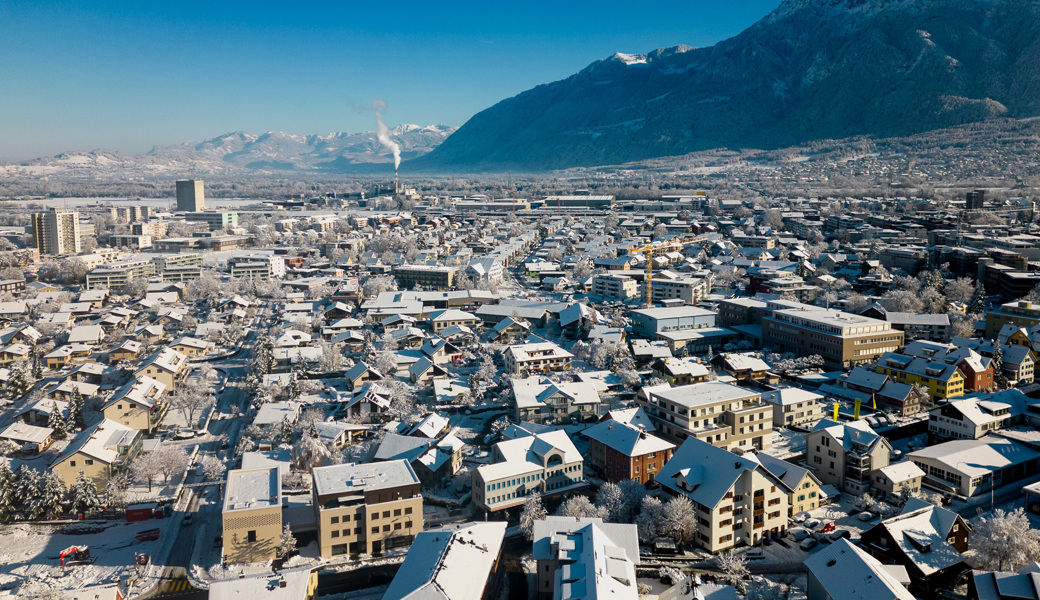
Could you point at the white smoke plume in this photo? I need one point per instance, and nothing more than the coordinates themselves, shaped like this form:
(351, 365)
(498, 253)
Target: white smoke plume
(383, 132)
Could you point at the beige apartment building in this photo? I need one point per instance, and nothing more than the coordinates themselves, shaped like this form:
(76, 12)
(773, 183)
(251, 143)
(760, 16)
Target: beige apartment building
(845, 454)
(366, 508)
(252, 515)
(736, 500)
(141, 404)
(56, 231)
(98, 453)
(721, 414)
(842, 339)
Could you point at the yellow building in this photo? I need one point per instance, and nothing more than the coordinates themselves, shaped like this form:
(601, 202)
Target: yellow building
(252, 515)
(98, 453)
(942, 379)
(140, 404)
(366, 508)
(802, 487)
(167, 365)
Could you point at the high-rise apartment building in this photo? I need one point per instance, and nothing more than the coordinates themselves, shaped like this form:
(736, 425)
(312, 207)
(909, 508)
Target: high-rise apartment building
(190, 195)
(56, 231)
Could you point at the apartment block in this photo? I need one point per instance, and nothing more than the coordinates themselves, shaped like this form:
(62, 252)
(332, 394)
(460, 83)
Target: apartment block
(736, 500)
(845, 454)
(1020, 314)
(257, 266)
(690, 290)
(366, 508)
(943, 380)
(615, 287)
(585, 558)
(115, 276)
(794, 407)
(535, 357)
(216, 220)
(429, 277)
(57, 231)
(967, 419)
(717, 413)
(252, 515)
(621, 451)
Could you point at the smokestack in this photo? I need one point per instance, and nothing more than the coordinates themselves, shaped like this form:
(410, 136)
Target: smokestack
(383, 135)
(397, 190)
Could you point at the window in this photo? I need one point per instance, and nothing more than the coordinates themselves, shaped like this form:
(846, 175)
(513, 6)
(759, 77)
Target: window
(397, 526)
(334, 520)
(375, 516)
(408, 524)
(386, 514)
(397, 512)
(375, 530)
(408, 510)
(251, 536)
(72, 463)
(386, 528)
(335, 534)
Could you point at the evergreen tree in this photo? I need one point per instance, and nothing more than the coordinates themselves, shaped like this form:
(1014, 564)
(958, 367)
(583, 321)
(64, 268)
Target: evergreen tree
(76, 422)
(998, 366)
(30, 492)
(36, 367)
(57, 423)
(263, 356)
(293, 391)
(54, 495)
(83, 496)
(978, 301)
(8, 491)
(287, 430)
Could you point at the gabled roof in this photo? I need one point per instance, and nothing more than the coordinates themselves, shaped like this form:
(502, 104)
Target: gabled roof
(847, 573)
(448, 563)
(627, 439)
(921, 534)
(705, 473)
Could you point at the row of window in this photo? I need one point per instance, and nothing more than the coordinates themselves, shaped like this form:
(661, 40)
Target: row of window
(375, 530)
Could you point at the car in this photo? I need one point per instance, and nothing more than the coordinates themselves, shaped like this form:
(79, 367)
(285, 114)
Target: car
(812, 523)
(799, 533)
(808, 544)
(755, 554)
(801, 517)
(829, 527)
(837, 534)
(186, 521)
(865, 516)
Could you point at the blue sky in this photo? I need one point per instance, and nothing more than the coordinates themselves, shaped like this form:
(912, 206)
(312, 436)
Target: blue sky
(129, 75)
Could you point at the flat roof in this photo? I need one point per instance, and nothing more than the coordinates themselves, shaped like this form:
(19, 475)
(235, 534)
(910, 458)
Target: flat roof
(708, 392)
(253, 488)
(350, 477)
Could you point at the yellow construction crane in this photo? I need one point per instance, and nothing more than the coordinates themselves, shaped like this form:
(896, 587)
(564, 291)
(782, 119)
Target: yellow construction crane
(647, 291)
(855, 414)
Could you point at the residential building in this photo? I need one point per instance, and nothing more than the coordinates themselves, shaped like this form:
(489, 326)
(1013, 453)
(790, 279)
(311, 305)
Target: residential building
(845, 454)
(927, 540)
(615, 287)
(429, 277)
(802, 485)
(932, 327)
(967, 467)
(191, 195)
(544, 463)
(967, 419)
(736, 500)
(366, 508)
(536, 357)
(842, 339)
(621, 451)
(585, 558)
(141, 404)
(898, 481)
(454, 562)
(794, 407)
(691, 290)
(541, 400)
(252, 515)
(296, 583)
(167, 365)
(842, 571)
(98, 452)
(943, 380)
(56, 231)
(649, 322)
(718, 413)
(443, 319)
(257, 266)
(215, 220)
(115, 275)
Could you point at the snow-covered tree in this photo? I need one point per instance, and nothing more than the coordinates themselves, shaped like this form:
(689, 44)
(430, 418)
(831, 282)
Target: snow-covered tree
(620, 500)
(53, 495)
(115, 489)
(57, 423)
(286, 542)
(83, 496)
(377, 284)
(75, 420)
(1004, 541)
(679, 520)
(650, 522)
(8, 492)
(263, 356)
(762, 588)
(533, 511)
(331, 357)
(172, 459)
(310, 452)
(213, 468)
(999, 378)
(193, 397)
(734, 569)
(579, 507)
(977, 305)
(961, 289)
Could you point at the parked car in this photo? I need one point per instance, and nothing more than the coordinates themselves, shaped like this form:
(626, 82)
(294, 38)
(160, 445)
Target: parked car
(799, 533)
(801, 517)
(812, 523)
(808, 544)
(186, 521)
(865, 516)
(837, 534)
(755, 554)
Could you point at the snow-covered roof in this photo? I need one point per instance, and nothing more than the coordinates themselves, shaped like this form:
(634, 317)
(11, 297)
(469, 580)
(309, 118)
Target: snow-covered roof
(352, 478)
(705, 473)
(449, 563)
(627, 439)
(847, 573)
(102, 442)
(597, 560)
(921, 536)
(788, 396)
(902, 471)
(527, 454)
(24, 433)
(250, 489)
(535, 391)
(265, 586)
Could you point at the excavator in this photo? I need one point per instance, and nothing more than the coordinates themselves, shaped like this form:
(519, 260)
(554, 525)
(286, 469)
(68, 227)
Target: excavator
(77, 555)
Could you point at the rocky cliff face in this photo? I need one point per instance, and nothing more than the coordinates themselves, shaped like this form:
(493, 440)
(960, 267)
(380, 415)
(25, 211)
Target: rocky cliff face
(812, 69)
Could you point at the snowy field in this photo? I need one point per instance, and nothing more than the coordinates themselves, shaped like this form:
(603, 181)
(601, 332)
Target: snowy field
(31, 552)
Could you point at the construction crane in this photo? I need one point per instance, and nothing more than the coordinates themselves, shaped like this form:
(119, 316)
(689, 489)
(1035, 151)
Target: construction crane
(855, 414)
(647, 291)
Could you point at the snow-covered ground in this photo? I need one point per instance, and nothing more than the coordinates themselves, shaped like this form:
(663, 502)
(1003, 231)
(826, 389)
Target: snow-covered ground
(31, 552)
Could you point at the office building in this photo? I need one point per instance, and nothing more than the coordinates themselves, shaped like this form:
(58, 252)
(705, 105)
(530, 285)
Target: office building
(545, 463)
(190, 195)
(366, 508)
(216, 220)
(57, 231)
(975, 199)
(841, 339)
(252, 515)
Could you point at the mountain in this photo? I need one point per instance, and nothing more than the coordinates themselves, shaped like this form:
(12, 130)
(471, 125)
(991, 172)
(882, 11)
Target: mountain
(810, 70)
(241, 152)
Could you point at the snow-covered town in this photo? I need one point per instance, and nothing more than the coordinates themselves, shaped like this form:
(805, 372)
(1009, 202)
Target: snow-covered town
(564, 397)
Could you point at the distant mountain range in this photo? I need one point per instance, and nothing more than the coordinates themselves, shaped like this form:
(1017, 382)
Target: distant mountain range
(810, 70)
(241, 152)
